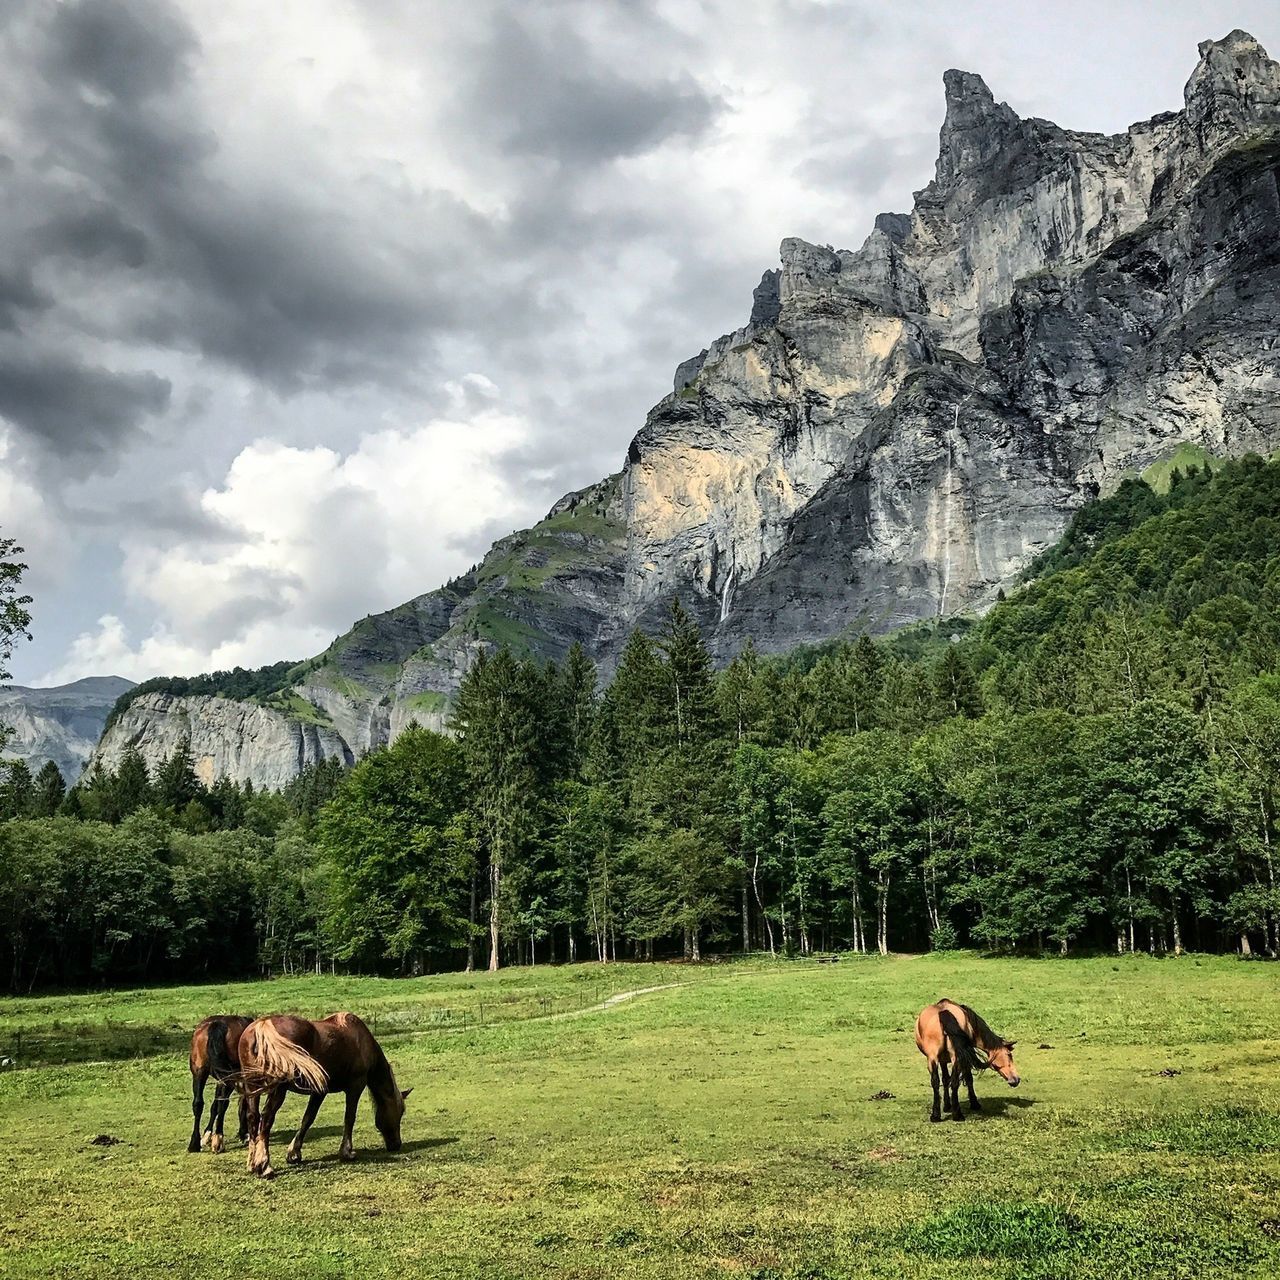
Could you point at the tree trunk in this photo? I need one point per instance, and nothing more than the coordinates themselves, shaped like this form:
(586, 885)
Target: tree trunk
(495, 884)
(764, 915)
(882, 938)
(1177, 933)
(746, 917)
(1245, 949)
(697, 949)
(471, 933)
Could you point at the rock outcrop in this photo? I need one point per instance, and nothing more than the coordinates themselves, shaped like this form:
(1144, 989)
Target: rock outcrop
(61, 723)
(897, 429)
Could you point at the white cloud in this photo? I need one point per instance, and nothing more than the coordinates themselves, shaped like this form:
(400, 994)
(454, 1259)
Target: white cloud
(312, 539)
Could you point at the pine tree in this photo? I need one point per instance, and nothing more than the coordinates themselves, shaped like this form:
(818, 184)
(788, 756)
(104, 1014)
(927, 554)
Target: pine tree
(176, 782)
(132, 784)
(496, 719)
(16, 791)
(48, 791)
(955, 686)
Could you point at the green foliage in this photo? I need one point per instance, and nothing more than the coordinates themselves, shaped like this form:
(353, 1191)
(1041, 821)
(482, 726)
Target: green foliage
(399, 854)
(238, 683)
(15, 617)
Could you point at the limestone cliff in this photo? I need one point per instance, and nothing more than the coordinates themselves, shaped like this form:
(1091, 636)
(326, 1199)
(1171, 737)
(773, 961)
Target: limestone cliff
(897, 429)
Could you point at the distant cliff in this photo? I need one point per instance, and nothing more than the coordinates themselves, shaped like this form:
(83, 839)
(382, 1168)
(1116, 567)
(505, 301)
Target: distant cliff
(895, 432)
(61, 724)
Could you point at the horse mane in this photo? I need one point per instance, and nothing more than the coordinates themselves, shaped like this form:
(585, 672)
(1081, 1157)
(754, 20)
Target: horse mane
(961, 1043)
(280, 1061)
(985, 1039)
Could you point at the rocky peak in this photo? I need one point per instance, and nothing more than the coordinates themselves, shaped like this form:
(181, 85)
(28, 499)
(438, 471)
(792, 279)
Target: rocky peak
(1234, 88)
(976, 127)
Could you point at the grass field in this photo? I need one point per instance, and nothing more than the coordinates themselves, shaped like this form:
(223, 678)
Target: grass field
(731, 1126)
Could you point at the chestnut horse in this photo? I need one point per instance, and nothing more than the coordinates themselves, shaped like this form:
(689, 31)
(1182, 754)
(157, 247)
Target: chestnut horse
(215, 1052)
(955, 1040)
(282, 1054)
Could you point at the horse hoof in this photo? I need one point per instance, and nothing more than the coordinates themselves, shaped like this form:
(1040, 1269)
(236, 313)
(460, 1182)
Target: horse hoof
(934, 1119)
(959, 1115)
(204, 1142)
(268, 1173)
(293, 1157)
(346, 1155)
(217, 1146)
(193, 1147)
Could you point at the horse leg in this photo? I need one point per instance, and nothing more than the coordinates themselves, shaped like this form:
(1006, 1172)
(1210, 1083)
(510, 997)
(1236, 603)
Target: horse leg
(957, 1067)
(197, 1107)
(275, 1097)
(222, 1095)
(254, 1116)
(936, 1114)
(974, 1104)
(294, 1154)
(347, 1151)
(243, 1135)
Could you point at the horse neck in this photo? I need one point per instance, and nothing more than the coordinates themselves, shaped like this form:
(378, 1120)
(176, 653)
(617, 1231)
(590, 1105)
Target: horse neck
(983, 1036)
(382, 1081)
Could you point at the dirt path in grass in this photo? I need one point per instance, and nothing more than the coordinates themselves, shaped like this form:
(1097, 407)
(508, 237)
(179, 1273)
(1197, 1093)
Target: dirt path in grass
(611, 1002)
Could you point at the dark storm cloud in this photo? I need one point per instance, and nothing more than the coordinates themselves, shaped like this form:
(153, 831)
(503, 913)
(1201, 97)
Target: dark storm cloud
(547, 93)
(136, 235)
(128, 49)
(93, 231)
(71, 405)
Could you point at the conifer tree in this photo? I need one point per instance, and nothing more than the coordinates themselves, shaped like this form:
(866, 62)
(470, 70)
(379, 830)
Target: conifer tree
(48, 791)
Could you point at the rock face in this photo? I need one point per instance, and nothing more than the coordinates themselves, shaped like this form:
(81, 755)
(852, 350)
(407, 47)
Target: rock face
(897, 429)
(61, 723)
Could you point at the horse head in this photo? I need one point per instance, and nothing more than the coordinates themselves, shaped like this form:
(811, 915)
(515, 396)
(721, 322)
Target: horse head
(389, 1112)
(1001, 1059)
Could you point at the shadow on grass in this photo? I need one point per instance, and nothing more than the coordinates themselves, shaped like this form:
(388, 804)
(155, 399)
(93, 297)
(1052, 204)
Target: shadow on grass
(364, 1155)
(998, 1106)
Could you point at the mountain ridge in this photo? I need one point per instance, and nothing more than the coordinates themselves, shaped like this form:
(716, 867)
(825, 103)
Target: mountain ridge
(895, 432)
(61, 723)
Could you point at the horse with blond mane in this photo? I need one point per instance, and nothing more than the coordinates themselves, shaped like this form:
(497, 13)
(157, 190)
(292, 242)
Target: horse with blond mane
(955, 1041)
(338, 1054)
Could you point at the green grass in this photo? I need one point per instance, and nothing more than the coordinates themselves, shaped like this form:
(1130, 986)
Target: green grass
(1158, 474)
(296, 707)
(726, 1127)
(427, 701)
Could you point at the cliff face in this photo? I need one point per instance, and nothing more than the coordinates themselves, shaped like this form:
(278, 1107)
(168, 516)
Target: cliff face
(897, 429)
(61, 723)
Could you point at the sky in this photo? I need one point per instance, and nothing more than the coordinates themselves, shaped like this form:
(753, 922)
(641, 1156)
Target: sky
(303, 305)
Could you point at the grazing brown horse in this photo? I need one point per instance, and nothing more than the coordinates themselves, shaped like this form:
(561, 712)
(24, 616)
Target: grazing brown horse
(955, 1040)
(215, 1052)
(337, 1055)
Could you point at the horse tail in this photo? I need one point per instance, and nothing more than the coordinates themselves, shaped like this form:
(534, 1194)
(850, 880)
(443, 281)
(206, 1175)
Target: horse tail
(222, 1065)
(279, 1061)
(961, 1042)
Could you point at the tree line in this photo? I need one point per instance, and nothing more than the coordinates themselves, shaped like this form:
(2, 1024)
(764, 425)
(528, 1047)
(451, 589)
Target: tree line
(1094, 764)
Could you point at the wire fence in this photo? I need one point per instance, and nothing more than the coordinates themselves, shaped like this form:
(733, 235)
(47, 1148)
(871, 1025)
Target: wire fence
(61, 1043)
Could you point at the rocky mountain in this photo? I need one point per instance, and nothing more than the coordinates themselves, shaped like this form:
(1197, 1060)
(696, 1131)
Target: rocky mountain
(62, 723)
(893, 434)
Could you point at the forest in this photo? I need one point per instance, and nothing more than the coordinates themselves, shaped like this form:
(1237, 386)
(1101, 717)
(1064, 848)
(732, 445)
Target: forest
(1092, 766)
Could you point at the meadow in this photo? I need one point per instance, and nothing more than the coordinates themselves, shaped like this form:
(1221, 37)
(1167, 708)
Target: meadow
(759, 1119)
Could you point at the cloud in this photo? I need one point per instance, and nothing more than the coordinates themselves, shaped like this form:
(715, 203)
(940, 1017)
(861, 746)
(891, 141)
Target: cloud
(545, 92)
(311, 539)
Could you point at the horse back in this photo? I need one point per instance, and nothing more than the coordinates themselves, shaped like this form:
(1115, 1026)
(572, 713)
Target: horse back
(341, 1043)
(215, 1043)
